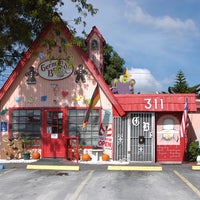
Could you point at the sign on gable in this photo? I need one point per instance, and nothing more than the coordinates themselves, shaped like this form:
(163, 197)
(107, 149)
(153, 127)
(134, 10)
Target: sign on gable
(54, 70)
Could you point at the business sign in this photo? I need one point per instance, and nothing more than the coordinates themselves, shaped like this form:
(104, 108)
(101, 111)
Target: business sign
(54, 70)
(4, 127)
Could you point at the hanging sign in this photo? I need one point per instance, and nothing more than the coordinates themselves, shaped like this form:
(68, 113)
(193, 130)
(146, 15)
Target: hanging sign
(54, 69)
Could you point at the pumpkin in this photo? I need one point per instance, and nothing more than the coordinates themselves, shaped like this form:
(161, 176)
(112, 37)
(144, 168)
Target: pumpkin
(105, 157)
(35, 155)
(86, 157)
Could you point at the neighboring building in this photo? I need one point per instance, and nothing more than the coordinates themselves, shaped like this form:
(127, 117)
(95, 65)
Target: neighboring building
(46, 100)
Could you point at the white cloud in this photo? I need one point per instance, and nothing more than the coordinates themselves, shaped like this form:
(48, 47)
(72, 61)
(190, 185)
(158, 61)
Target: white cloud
(137, 15)
(146, 39)
(145, 82)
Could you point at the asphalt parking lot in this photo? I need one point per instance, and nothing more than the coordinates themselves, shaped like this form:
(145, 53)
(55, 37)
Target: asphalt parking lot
(89, 181)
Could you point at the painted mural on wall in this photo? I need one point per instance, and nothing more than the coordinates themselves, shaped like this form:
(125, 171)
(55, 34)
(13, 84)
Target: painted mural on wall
(168, 131)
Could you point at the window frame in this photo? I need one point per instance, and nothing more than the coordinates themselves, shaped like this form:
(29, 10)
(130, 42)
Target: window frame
(88, 136)
(33, 127)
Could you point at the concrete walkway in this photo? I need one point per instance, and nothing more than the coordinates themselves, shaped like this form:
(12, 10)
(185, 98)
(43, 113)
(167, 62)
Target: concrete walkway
(63, 164)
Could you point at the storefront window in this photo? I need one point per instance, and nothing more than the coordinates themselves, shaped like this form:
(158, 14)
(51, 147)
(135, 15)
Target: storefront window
(88, 136)
(28, 124)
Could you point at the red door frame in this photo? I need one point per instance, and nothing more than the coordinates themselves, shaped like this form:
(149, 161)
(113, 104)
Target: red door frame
(54, 147)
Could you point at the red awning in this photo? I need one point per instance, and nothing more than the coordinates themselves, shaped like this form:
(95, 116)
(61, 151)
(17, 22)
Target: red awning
(156, 102)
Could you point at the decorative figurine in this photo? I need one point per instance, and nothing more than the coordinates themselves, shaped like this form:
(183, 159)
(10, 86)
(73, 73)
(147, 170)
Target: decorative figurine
(31, 76)
(17, 146)
(80, 72)
(6, 149)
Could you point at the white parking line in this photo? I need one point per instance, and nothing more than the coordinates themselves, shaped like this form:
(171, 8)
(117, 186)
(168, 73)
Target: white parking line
(81, 186)
(188, 183)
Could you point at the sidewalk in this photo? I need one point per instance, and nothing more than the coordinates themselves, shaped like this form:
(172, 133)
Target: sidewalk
(63, 164)
(83, 165)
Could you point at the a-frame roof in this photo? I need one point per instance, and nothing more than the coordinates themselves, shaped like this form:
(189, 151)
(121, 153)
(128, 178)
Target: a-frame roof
(86, 60)
(95, 31)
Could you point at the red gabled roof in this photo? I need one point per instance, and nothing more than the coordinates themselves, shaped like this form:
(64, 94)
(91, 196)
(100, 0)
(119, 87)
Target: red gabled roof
(91, 67)
(93, 31)
(99, 79)
(24, 60)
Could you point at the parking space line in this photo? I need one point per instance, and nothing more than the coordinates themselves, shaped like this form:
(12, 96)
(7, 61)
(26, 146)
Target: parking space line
(135, 168)
(53, 167)
(188, 183)
(81, 186)
(195, 167)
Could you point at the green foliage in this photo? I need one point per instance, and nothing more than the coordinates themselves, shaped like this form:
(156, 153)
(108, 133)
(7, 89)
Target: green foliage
(80, 42)
(21, 21)
(113, 64)
(181, 85)
(193, 151)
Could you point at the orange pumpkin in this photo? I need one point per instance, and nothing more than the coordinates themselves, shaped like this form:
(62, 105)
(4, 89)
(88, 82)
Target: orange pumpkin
(105, 157)
(86, 157)
(36, 155)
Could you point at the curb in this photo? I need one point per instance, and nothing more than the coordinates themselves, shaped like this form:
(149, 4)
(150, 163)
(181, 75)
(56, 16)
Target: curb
(135, 168)
(53, 167)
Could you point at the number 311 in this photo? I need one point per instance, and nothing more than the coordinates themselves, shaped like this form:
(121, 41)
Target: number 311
(154, 103)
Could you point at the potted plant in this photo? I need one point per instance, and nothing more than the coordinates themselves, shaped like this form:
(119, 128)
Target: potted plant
(26, 152)
(194, 152)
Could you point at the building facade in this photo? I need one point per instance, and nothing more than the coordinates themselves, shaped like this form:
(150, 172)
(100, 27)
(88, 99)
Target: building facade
(47, 96)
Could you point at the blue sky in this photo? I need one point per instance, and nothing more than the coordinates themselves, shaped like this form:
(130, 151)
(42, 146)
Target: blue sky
(156, 38)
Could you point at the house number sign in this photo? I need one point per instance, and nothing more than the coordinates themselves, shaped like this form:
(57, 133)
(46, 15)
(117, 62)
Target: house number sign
(154, 104)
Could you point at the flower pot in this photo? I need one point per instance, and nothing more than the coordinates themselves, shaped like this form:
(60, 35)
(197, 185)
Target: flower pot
(35, 155)
(105, 157)
(26, 156)
(86, 157)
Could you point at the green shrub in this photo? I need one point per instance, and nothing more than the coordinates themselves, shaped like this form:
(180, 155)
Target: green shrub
(193, 151)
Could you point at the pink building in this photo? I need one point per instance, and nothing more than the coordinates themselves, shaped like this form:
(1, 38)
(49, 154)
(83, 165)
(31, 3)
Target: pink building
(46, 100)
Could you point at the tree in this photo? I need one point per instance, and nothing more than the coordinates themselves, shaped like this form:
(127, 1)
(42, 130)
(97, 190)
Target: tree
(181, 85)
(21, 21)
(113, 63)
